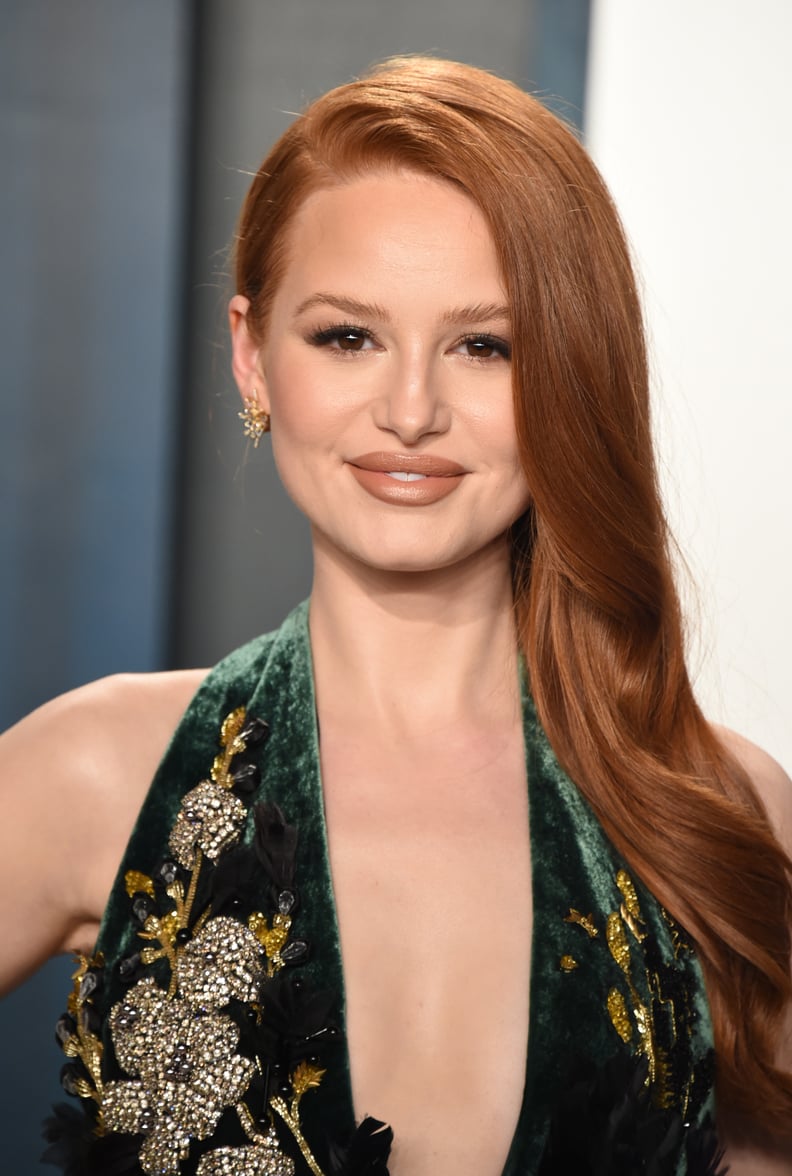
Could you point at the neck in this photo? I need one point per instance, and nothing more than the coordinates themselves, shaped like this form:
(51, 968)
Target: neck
(410, 649)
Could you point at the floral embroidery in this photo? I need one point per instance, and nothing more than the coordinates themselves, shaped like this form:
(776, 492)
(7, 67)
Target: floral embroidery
(210, 1024)
(206, 1059)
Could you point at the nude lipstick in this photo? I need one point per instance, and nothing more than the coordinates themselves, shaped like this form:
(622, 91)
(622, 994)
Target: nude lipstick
(406, 479)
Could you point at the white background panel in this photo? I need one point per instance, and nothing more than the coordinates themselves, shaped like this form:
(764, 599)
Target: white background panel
(688, 114)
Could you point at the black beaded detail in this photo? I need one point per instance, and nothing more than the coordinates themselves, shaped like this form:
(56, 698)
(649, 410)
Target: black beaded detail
(247, 778)
(168, 872)
(143, 905)
(255, 732)
(128, 968)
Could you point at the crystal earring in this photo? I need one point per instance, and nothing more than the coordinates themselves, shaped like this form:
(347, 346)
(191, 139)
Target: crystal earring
(255, 421)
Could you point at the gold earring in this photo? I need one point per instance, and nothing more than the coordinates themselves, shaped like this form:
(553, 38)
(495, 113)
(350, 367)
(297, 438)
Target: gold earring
(255, 421)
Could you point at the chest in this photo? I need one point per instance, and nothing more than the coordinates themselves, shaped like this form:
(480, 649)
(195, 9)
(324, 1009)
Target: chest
(430, 859)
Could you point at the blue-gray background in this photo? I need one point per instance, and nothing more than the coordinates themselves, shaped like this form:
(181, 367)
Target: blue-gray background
(135, 534)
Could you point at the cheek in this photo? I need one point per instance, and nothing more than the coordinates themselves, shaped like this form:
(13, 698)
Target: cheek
(516, 491)
(307, 402)
(304, 426)
(296, 470)
(494, 428)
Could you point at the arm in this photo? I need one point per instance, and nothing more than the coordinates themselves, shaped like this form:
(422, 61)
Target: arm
(73, 776)
(748, 1157)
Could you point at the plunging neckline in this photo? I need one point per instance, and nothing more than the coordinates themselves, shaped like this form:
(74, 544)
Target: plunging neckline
(574, 972)
(317, 795)
(575, 870)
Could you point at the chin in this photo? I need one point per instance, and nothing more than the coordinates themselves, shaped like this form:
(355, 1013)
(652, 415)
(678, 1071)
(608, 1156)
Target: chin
(397, 558)
(405, 564)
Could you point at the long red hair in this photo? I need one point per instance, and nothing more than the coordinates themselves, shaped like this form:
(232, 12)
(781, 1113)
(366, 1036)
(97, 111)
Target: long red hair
(597, 612)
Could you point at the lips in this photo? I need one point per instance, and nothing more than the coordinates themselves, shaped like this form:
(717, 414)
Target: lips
(428, 464)
(407, 479)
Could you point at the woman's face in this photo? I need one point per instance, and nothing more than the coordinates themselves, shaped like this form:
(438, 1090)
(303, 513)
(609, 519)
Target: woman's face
(386, 372)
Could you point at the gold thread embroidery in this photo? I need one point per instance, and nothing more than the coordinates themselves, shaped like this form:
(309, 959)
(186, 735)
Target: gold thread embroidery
(632, 1018)
(617, 943)
(82, 1043)
(272, 939)
(232, 745)
(630, 916)
(584, 921)
(619, 1016)
(625, 885)
(630, 909)
(134, 881)
(306, 1077)
(632, 923)
(292, 1121)
(568, 963)
(680, 944)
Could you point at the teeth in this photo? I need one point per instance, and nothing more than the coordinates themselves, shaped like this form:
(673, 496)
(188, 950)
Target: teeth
(402, 476)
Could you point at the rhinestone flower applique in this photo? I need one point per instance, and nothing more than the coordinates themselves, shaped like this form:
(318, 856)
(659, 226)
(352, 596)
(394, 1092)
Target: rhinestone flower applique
(188, 1074)
(211, 1026)
(260, 1159)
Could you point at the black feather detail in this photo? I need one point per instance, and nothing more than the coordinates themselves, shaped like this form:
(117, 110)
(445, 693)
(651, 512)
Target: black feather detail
(605, 1124)
(75, 1148)
(295, 1024)
(234, 884)
(275, 844)
(366, 1153)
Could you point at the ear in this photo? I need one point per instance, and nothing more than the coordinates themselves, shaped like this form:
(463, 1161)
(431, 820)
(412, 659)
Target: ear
(246, 354)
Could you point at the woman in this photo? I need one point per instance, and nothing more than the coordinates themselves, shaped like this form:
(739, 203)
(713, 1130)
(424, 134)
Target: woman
(436, 316)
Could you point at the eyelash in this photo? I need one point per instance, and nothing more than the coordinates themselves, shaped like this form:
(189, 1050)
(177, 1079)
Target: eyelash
(501, 348)
(333, 334)
(327, 335)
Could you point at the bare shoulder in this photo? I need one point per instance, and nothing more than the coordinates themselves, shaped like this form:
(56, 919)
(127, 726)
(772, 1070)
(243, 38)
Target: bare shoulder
(769, 779)
(101, 741)
(73, 776)
(747, 1156)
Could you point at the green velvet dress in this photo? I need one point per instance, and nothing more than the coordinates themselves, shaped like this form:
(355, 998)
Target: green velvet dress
(206, 1033)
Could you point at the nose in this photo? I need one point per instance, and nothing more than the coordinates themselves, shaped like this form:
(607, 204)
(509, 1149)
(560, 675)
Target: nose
(413, 403)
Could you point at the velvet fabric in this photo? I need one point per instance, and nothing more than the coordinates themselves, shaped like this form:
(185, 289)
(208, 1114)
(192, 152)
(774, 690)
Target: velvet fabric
(576, 868)
(578, 961)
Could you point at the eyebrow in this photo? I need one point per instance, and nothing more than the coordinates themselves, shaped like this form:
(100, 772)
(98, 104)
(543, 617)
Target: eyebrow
(477, 312)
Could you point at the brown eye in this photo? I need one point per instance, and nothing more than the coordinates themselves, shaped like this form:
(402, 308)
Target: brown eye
(351, 340)
(342, 337)
(484, 347)
(480, 348)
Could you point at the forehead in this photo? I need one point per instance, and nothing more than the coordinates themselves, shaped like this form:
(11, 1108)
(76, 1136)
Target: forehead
(388, 226)
(396, 182)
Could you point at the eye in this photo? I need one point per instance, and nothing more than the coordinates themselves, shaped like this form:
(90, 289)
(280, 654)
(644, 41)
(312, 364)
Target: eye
(484, 347)
(342, 338)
